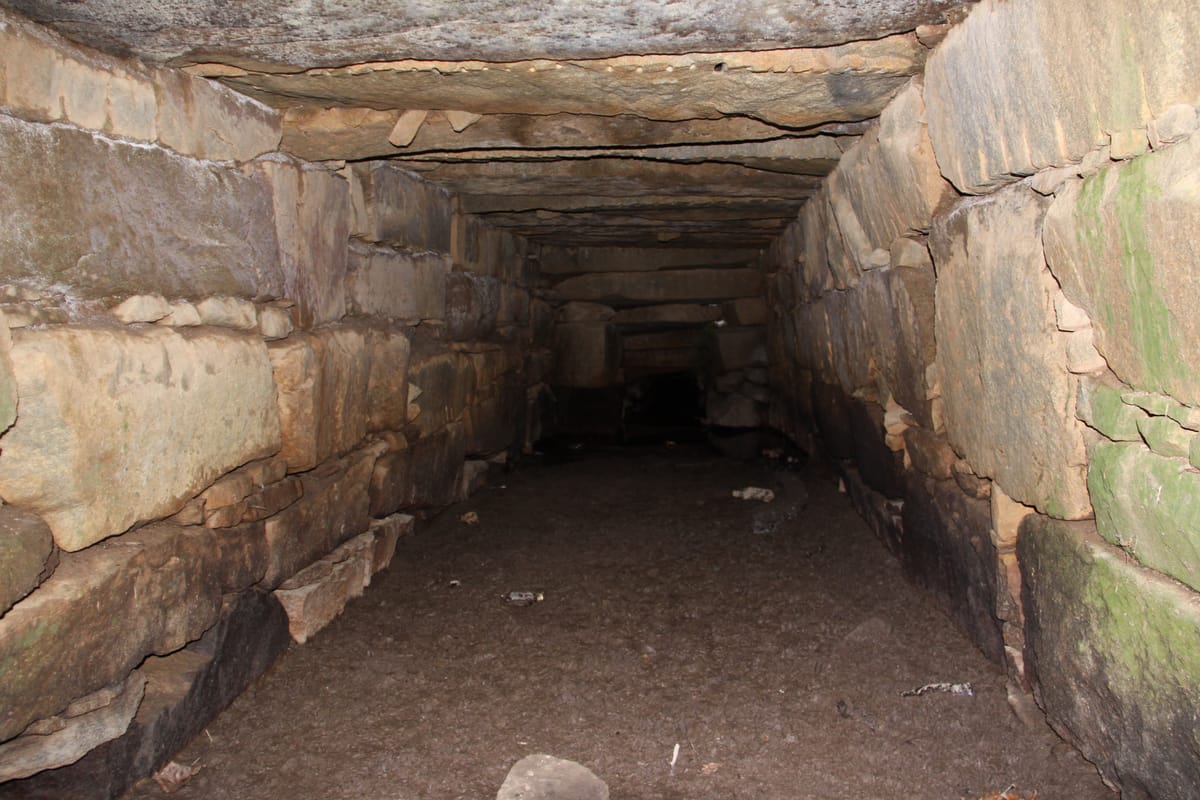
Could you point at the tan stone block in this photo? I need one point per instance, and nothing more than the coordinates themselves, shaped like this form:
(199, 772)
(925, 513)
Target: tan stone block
(228, 490)
(94, 462)
(25, 547)
(399, 284)
(228, 312)
(318, 594)
(203, 119)
(113, 218)
(388, 532)
(84, 93)
(447, 383)
(132, 107)
(107, 607)
(182, 315)
(1049, 99)
(1009, 400)
(334, 507)
(402, 209)
(29, 67)
(312, 227)
(141, 308)
(1007, 515)
(322, 381)
(272, 499)
(586, 354)
(274, 322)
(387, 384)
(930, 453)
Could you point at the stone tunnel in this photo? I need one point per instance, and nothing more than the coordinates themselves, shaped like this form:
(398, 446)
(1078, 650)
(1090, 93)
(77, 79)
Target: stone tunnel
(282, 280)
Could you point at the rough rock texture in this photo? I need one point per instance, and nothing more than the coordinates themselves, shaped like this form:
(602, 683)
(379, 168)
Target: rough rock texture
(108, 217)
(542, 777)
(900, 309)
(101, 413)
(25, 547)
(1008, 94)
(662, 286)
(1112, 649)
(84, 725)
(1119, 242)
(184, 690)
(312, 223)
(399, 284)
(1009, 401)
(317, 594)
(400, 208)
(946, 548)
(1149, 505)
(586, 354)
(163, 583)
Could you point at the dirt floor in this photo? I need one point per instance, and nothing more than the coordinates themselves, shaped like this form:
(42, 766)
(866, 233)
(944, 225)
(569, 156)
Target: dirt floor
(772, 643)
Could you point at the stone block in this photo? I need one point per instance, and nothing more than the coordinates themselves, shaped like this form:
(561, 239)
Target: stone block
(543, 777)
(947, 549)
(881, 514)
(107, 607)
(387, 383)
(1007, 94)
(1100, 406)
(206, 120)
(228, 312)
(388, 532)
(492, 421)
(424, 474)
(881, 468)
(472, 306)
(1009, 400)
(92, 462)
(312, 223)
(8, 382)
(1166, 437)
(746, 311)
(318, 594)
(1119, 242)
(65, 738)
(514, 305)
(733, 411)
(334, 508)
(849, 345)
(141, 308)
(1149, 505)
(738, 347)
(576, 311)
(567, 260)
(673, 313)
(831, 411)
(899, 307)
(402, 209)
(322, 381)
(889, 177)
(676, 359)
(110, 218)
(25, 547)
(1111, 648)
(586, 354)
(930, 453)
(661, 286)
(184, 692)
(398, 284)
(659, 340)
(274, 322)
(447, 382)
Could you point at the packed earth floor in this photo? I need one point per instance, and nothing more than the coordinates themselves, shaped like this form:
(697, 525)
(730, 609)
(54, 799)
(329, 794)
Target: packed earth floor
(772, 642)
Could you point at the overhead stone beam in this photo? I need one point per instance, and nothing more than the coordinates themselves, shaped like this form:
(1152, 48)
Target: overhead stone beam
(794, 88)
(317, 133)
(683, 205)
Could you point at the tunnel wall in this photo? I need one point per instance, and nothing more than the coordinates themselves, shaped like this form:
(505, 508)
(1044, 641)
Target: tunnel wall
(988, 315)
(228, 379)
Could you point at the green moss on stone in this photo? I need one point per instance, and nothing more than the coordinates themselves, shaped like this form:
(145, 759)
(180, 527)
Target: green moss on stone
(1101, 407)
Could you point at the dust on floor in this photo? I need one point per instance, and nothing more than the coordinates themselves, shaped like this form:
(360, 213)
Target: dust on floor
(774, 648)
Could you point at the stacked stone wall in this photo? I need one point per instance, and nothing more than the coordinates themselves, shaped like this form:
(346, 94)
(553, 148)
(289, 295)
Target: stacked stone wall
(229, 381)
(987, 314)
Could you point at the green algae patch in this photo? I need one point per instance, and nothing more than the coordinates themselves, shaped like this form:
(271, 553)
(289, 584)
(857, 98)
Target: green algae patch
(1113, 651)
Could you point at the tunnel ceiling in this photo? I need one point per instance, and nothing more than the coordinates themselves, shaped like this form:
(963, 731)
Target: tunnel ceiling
(693, 123)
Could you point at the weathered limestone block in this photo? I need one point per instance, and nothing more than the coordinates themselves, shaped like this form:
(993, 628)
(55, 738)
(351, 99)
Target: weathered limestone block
(733, 410)
(900, 313)
(472, 306)
(404, 285)
(102, 411)
(1127, 700)
(929, 453)
(1009, 400)
(387, 383)
(255, 491)
(567, 260)
(1121, 244)
(110, 218)
(402, 209)
(8, 382)
(334, 508)
(746, 311)
(322, 381)
(947, 548)
(838, 228)
(141, 308)
(422, 474)
(317, 594)
(586, 354)
(1008, 94)
(447, 382)
(1149, 505)
(738, 347)
(107, 607)
(676, 313)
(815, 277)
(228, 312)
(274, 322)
(25, 546)
(1166, 437)
(849, 339)
(542, 777)
(662, 286)
(182, 315)
(881, 467)
(312, 223)
(65, 738)
(576, 311)
(387, 533)
(514, 305)
(204, 119)
(889, 177)
(1099, 406)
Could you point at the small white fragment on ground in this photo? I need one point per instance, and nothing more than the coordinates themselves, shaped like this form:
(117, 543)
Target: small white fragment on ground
(454, 584)
(524, 598)
(963, 689)
(469, 518)
(754, 493)
(674, 757)
(174, 775)
(772, 453)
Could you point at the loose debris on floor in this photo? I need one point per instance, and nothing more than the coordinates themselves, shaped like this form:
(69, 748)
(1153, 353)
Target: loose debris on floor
(524, 598)
(963, 689)
(754, 493)
(469, 518)
(175, 775)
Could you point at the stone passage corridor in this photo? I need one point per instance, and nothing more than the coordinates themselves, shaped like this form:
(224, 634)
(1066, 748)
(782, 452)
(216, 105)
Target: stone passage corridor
(771, 641)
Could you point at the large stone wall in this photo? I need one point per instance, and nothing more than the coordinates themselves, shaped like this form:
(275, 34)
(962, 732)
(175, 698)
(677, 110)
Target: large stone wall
(225, 377)
(1027, 353)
